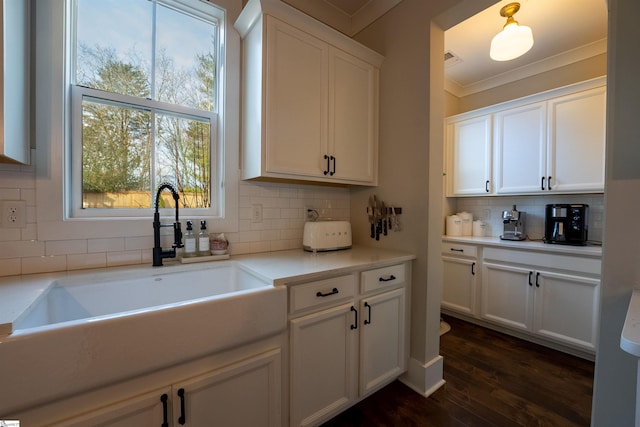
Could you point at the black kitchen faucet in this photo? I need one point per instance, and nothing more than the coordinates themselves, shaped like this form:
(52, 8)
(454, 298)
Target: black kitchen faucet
(158, 253)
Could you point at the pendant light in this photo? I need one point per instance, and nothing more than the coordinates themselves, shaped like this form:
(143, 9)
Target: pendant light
(514, 40)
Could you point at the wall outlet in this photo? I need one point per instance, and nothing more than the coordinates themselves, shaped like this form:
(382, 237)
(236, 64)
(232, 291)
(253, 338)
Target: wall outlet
(14, 214)
(256, 213)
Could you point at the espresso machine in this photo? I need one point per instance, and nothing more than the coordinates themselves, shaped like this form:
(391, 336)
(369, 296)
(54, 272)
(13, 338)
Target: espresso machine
(514, 224)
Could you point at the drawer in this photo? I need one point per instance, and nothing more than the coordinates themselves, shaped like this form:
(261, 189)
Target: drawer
(321, 292)
(382, 277)
(458, 249)
(572, 263)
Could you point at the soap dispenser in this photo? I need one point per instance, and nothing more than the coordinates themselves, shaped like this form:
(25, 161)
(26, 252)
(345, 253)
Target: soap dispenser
(203, 239)
(190, 242)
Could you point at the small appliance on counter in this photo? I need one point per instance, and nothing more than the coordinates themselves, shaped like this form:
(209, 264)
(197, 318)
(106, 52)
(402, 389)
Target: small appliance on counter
(323, 236)
(566, 224)
(514, 224)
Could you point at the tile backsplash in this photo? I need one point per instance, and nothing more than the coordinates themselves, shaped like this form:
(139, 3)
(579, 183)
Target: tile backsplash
(281, 227)
(489, 209)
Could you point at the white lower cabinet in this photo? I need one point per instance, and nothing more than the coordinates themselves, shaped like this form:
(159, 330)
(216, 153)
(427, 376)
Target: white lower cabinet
(557, 306)
(345, 344)
(222, 396)
(460, 278)
(323, 370)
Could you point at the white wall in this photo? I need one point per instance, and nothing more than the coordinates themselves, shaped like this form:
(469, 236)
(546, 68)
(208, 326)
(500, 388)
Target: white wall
(21, 252)
(411, 166)
(615, 377)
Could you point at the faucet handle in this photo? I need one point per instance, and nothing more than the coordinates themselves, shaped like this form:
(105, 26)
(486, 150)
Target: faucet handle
(177, 235)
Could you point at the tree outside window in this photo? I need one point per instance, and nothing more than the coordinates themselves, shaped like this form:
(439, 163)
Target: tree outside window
(146, 72)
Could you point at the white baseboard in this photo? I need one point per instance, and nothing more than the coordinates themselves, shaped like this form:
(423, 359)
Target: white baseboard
(424, 378)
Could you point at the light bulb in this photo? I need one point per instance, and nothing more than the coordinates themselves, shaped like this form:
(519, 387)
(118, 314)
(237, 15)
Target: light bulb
(513, 41)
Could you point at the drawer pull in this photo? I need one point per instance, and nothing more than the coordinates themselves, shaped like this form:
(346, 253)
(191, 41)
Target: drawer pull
(473, 269)
(355, 324)
(530, 273)
(537, 279)
(456, 250)
(333, 292)
(388, 279)
(182, 418)
(165, 420)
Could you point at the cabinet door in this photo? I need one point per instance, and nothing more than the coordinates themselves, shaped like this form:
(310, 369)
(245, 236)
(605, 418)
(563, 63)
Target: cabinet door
(246, 393)
(296, 101)
(459, 285)
(469, 152)
(145, 410)
(382, 339)
(506, 295)
(565, 308)
(323, 358)
(353, 110)
(577, 126)
(520, 140)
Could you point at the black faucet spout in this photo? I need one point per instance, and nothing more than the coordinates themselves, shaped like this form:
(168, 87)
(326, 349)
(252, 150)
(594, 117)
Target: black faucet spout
(158, 253)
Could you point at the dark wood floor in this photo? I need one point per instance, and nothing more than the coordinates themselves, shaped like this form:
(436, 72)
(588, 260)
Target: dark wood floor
(491, 380)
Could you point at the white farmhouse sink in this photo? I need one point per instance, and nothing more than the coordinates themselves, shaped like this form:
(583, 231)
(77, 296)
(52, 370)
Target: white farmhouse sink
(89, 330)
(104, 296)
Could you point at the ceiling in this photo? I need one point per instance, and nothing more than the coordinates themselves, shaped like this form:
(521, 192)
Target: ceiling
(564, 32)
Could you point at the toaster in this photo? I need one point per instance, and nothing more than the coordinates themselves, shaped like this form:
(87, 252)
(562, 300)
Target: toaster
(322, 236)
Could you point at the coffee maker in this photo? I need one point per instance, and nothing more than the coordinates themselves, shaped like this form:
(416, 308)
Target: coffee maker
(566, 224)
(513, 221)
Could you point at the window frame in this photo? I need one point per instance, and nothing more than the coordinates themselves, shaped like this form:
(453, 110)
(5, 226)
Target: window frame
(78, 93)
(53, 42)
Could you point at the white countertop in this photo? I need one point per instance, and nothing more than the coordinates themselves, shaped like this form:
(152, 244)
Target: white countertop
(294, 266)
(533, 245)
(18, 293)
(630, 337)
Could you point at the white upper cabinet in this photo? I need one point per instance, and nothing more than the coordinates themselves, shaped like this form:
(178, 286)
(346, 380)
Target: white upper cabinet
(469, 150)
(521, 149)
(577, 131)
(310, 99)
(14, 82)
(296, 101)
(553, 142)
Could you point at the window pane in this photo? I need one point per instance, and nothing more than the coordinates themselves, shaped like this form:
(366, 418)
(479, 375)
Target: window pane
(185, 59)
(183, 157)
(116, 156)
(114, 46)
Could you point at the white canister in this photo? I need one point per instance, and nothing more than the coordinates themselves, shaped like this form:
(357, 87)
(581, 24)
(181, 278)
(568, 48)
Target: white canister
(454, 225)
(467, 223)
(479, 228)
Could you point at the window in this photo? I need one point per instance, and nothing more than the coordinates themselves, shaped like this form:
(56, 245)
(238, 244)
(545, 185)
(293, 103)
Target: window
(59, 107)
(144, 82)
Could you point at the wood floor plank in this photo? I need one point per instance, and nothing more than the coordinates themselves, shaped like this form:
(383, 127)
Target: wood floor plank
(491, 380)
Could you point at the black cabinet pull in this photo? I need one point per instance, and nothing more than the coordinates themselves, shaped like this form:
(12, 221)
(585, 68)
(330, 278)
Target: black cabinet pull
(355, 325)
(549, 183)
(473, 269)
(367, 306)
(537, 277)
(542, 184)
(486, 186)
(182, 419)
(333, 159)
(333, 292)
(456, 250)
(530, 273)
(390, 278)
(165, 421)
(326, 171)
